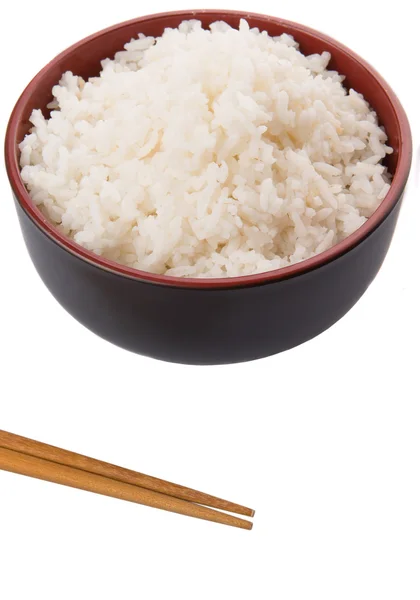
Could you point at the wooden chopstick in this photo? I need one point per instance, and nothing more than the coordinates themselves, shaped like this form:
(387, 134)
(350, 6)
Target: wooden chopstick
(31, 466)
(35, 459)
(92, 465)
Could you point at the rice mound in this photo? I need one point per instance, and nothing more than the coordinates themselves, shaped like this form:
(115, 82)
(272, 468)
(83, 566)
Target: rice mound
(207, 153)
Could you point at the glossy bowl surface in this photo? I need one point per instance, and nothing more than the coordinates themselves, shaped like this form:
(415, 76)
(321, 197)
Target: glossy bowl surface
(209, 320)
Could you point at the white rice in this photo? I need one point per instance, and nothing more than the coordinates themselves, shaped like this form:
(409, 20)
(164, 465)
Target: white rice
(207, 154)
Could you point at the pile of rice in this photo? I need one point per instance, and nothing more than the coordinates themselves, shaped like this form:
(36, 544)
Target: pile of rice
(207, 154)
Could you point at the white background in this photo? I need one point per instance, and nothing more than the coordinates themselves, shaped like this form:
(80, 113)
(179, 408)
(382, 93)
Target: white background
(323, 441)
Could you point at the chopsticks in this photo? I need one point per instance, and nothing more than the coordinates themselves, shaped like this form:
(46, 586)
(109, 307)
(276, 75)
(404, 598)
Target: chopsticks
(35, 459)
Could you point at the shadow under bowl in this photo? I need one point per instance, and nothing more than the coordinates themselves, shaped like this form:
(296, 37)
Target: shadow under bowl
(209, 321)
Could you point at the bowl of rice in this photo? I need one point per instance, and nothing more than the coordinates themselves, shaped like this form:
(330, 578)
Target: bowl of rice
(208, 186)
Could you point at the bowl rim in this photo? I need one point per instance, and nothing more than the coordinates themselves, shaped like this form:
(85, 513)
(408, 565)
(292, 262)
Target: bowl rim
(397, 185)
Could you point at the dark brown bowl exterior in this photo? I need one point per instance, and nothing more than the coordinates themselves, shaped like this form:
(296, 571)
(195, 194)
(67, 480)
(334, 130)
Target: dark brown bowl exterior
(207, 326)
(210, 321)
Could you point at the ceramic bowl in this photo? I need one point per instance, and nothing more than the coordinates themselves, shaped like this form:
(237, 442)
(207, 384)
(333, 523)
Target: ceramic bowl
(209, 321)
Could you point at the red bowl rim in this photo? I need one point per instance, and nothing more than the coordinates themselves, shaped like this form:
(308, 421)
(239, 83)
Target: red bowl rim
(397, 184)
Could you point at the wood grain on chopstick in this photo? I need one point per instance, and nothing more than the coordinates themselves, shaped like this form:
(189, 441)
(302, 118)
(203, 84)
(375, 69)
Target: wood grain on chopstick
(92, 465)
(31, 466)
